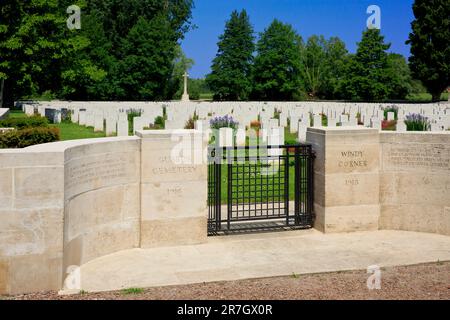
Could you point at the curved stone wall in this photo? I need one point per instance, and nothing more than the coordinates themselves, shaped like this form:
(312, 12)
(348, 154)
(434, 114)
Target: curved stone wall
(101, 199)
(64, 204)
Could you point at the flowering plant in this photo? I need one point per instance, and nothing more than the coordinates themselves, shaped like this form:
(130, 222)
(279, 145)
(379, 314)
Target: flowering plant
(417, 122)
(223, 122)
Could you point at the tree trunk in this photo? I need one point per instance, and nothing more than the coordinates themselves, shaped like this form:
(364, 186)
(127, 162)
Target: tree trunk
(435, 97)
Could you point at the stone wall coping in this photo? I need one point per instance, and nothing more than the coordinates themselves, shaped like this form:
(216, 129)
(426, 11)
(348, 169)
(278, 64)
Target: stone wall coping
(164, 133)
(343, 130)
(62, 146)
(439, 133)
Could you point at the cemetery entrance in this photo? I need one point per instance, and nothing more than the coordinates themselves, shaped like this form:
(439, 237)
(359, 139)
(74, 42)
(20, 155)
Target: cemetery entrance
(260, 188)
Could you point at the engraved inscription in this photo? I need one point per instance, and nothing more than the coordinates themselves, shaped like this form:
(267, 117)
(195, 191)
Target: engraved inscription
(352, 159)
(168, 168)
(176, 190)
(420, 156)
(352, 182)
(100, 169)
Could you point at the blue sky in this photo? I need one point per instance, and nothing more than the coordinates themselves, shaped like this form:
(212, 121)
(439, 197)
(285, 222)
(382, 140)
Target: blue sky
(345, 19)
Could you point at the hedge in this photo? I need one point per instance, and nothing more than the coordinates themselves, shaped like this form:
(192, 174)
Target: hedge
(28, 137)
(22, 123)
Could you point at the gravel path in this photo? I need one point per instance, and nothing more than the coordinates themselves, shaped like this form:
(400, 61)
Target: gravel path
(426, 281)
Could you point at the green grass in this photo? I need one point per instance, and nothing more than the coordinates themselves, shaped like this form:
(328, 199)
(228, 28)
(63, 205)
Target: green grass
(288, 136)
(261, 184)
(68, 131)
(267, 182)
(73, 131)
(17, 114)
(132, 291)
(424, 97)
(206, 96)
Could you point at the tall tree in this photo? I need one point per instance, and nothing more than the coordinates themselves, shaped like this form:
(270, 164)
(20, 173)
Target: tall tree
(367, 73)
(136, 43)
(400, 82)
(181, 64)
(336, 60)
(124, 50)
(276, 72)
(323, 63)
(231, 68)
(430, 49)
(314, 65)
(37, 49)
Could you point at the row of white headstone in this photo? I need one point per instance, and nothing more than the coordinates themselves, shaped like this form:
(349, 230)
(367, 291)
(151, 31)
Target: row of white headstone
(111, 117)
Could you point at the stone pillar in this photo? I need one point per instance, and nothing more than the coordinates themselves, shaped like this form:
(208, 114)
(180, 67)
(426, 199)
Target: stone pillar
(346, 178)
(173, 188)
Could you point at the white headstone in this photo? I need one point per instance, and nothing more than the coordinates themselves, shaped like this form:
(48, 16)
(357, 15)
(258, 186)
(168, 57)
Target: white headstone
(122, 127)
(275, 138)
(331, 122)
(82, 118)
(390, 116)
(225, 137)
(111, 126)
(138, 124)
(98, 122)
(293, 124)
(376, 123)
(302, 132)
(401, 126)
(240, 137)
(317, 121)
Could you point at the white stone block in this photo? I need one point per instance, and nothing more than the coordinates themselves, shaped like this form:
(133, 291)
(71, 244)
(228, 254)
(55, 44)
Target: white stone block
(122, 127)
(98, 122)
(390, 116)
(331, 122)
(240, 137)
(317, 121)
(302, 132)
(111, 126)
(225, 137)
(82, 118)
(401, 126)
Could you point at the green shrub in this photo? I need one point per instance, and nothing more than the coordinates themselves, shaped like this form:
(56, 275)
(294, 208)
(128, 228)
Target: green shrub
(28, 137)
(393, 109)
(160, 122)
(22, 123)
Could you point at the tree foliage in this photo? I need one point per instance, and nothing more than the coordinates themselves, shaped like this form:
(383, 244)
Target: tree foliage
(277, 68)
(429, 40)
(323, 63)
(124, 50)
(367, 70)
(231, 68)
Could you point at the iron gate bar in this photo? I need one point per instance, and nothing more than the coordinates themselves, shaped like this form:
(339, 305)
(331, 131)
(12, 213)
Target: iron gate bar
(253, 197)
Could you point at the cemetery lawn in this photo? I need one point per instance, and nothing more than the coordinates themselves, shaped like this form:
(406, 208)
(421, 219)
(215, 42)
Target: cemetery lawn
(16, 114)
(73, 131)
(68, 131)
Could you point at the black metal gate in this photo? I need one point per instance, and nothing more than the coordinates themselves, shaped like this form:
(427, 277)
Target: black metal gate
(260, 188)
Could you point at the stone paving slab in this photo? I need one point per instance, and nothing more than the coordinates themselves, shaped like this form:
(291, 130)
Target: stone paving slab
(261, 255)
